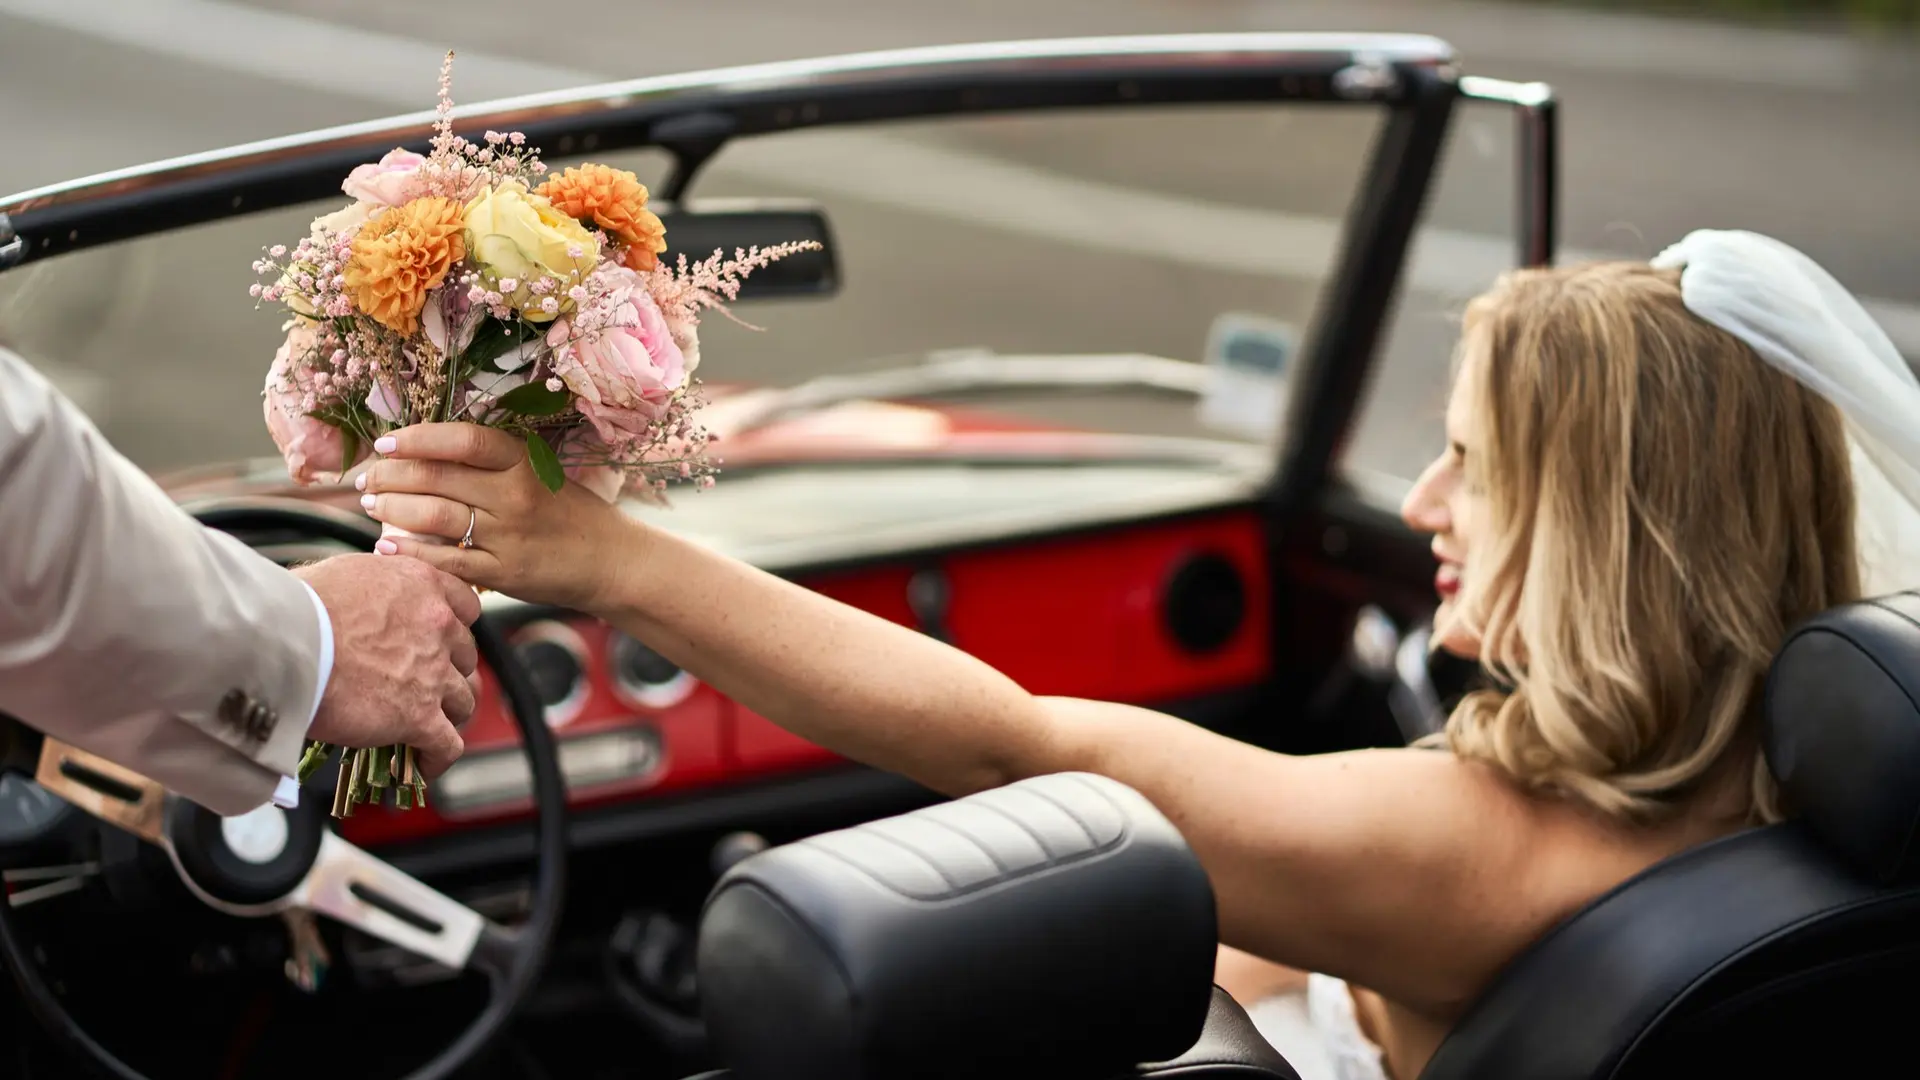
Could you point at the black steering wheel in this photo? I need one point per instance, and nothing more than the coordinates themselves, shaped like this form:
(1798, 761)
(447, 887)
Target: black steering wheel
(316, 869)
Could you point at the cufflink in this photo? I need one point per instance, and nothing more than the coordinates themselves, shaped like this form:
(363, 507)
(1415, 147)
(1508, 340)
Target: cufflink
(260, 721)
(239, 709)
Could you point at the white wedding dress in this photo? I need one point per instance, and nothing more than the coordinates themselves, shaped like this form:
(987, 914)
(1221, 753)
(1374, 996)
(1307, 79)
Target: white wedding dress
(1316, 1030)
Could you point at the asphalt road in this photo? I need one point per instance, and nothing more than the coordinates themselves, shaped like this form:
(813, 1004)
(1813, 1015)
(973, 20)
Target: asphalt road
(1107, 234)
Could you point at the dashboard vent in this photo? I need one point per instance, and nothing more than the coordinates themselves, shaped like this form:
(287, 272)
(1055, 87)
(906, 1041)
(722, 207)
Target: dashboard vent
(1205, 603)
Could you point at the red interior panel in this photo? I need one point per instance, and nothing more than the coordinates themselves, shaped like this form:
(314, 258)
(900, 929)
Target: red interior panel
(1079, 616)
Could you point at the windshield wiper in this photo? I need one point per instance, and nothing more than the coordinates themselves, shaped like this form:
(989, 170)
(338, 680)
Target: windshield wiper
(959, 371)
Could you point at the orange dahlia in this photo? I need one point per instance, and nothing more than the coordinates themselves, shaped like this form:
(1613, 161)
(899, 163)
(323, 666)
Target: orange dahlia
(616, 201)
(400, 255)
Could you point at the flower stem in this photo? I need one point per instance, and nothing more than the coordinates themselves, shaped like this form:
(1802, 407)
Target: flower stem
(415, 780)
(366, 775)
(316, 755)
(343, 790)
(377, 774)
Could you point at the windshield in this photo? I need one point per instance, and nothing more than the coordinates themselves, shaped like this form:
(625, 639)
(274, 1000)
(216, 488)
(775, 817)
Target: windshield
(1197, 235)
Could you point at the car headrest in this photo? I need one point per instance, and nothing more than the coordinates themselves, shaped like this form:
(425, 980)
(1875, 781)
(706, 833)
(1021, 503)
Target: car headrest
(1843, 732)
(1058, 926)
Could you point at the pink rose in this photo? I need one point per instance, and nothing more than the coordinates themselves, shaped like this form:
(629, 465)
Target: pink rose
(384, 402)
(313, 448)
(387, 183)
(623, 376)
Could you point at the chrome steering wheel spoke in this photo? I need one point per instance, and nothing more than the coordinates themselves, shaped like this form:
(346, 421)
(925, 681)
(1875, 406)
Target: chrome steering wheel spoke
(113, 793)
(368, 894)
(344, 882)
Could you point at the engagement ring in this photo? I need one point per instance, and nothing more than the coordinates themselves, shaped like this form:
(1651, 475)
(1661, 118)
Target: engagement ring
(473, 514)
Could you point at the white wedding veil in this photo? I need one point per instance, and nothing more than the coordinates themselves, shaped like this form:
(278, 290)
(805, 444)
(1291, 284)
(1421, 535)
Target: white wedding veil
(1803, 322)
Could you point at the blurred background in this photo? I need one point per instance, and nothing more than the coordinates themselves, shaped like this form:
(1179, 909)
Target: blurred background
(1799, 119)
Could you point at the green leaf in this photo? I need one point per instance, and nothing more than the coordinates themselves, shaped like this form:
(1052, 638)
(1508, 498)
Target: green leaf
(349, 416)
(349, 448)
(534, 399)
(546, 463)
(349, 419)
(493, 339)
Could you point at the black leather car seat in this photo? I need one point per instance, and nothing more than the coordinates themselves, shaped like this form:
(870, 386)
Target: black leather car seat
(1788, 950)
(1058, 927)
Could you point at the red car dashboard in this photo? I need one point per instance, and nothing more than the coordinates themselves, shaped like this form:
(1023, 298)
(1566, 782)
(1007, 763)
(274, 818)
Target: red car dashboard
(1163, 611)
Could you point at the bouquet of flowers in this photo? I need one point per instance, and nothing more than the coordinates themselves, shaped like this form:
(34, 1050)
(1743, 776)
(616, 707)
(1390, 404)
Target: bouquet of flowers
(471, 285)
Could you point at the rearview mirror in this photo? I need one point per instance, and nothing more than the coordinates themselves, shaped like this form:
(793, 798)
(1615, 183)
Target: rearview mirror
(700, 226)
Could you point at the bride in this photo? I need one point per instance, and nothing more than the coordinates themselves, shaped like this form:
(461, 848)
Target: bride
(1652, 472)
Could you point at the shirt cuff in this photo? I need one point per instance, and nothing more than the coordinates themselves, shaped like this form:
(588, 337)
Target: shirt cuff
(326, 653)
(287, 793)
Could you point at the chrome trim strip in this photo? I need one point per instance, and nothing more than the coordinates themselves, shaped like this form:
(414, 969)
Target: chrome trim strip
(13, 247)
(965, 370)
(1505, 92)
(1243, 53)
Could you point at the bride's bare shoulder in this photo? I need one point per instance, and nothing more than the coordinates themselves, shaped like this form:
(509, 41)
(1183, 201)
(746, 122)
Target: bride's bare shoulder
(1557, 852)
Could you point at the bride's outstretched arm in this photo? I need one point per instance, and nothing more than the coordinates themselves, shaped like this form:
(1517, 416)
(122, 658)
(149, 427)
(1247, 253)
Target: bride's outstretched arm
(1338, 863)
(868, 688)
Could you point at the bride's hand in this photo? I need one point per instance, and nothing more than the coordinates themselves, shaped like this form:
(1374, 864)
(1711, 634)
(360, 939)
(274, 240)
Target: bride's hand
(562, 548)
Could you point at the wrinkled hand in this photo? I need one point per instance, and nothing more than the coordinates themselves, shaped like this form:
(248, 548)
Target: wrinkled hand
(564, 548)
(403, 660)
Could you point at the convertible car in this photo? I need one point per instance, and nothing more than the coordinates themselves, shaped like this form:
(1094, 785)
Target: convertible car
(1116, 360)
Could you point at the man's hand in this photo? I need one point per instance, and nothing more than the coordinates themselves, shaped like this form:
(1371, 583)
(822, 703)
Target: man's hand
(404, 658)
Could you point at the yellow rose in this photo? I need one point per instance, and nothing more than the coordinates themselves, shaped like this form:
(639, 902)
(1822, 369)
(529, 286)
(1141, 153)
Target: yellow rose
(517, 237)
(348, 217)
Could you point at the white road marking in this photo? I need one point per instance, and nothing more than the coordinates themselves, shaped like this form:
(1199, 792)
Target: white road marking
(292, 49)
(399, 70)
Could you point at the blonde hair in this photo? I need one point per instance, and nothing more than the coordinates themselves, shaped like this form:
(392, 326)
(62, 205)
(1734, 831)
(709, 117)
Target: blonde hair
(1663, 507)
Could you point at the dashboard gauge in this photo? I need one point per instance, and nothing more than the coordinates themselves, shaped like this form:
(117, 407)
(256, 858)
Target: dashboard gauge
(644, 677)
(555, 656)
(27, 810)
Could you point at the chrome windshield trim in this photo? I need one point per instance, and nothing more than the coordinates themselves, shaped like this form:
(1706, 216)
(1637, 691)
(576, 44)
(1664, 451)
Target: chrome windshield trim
(987, 63)
(956, 371)
(1505, 91)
